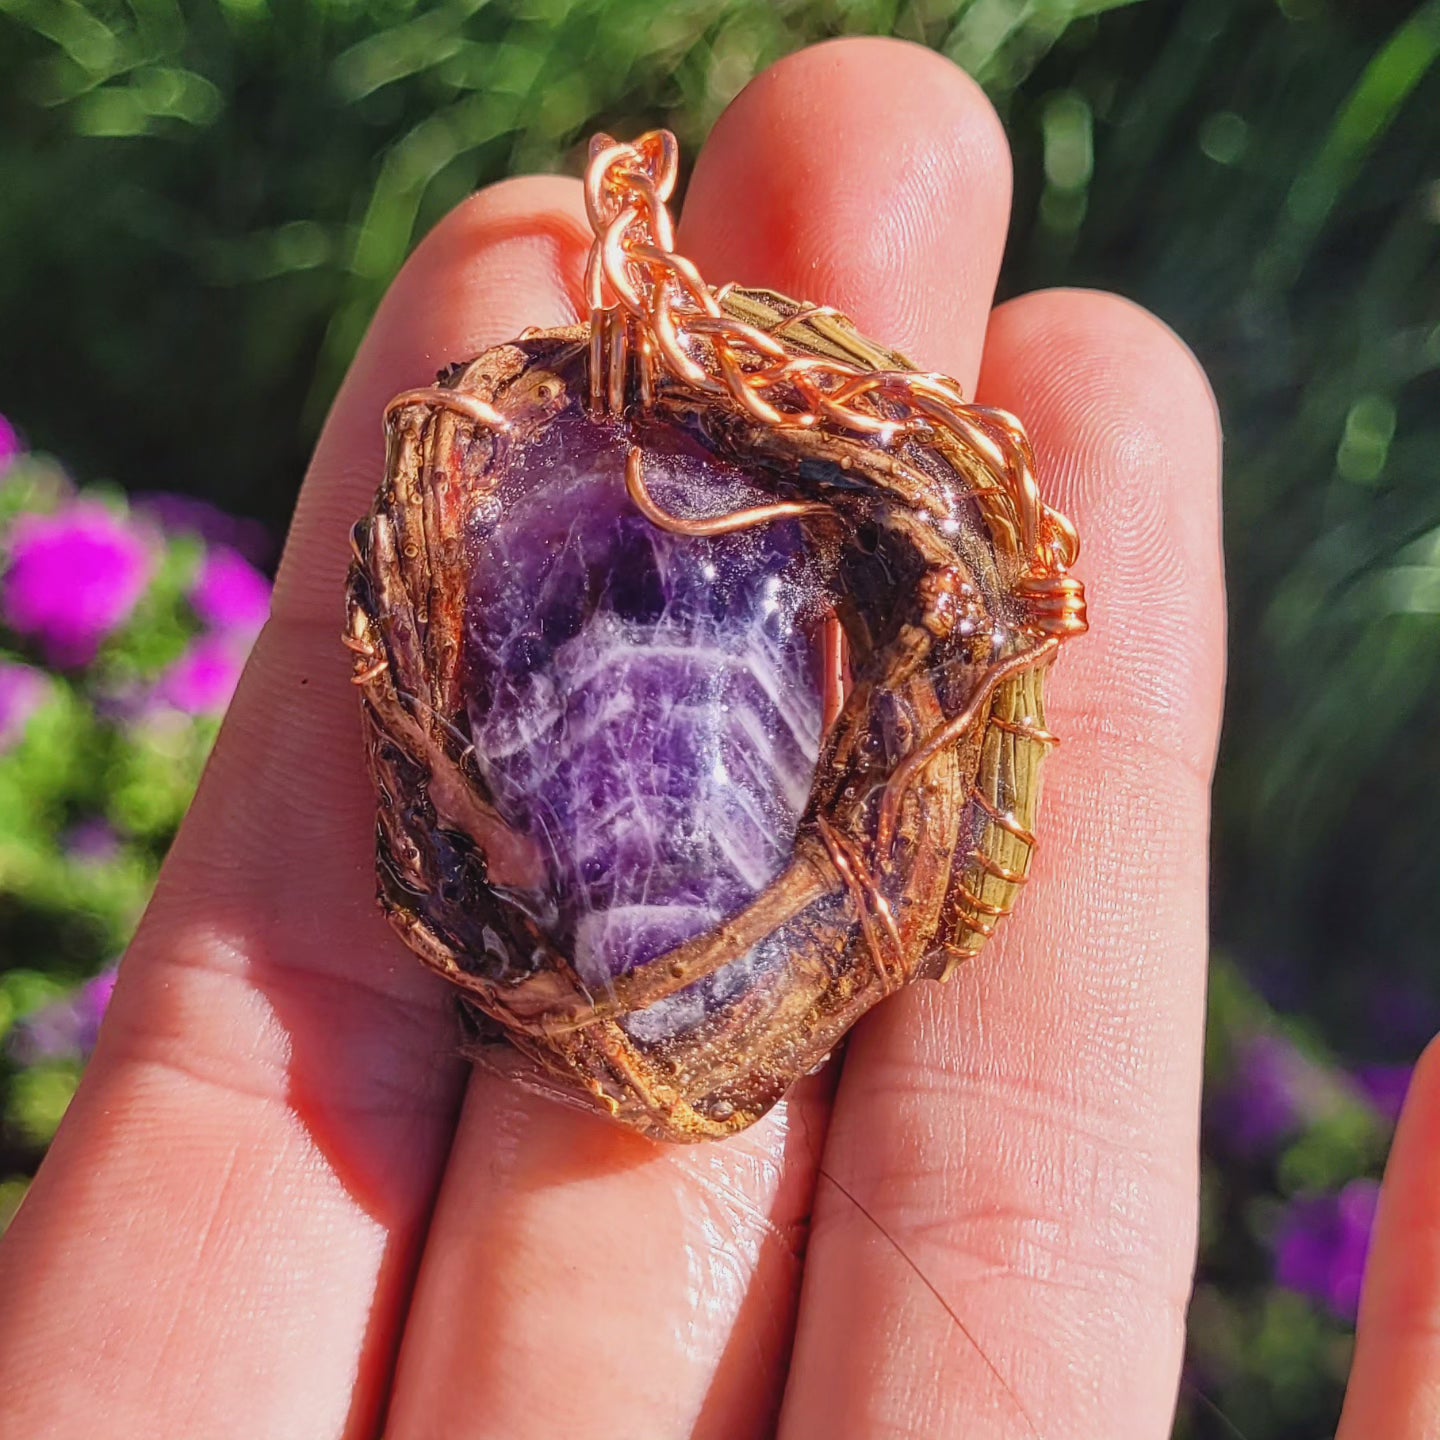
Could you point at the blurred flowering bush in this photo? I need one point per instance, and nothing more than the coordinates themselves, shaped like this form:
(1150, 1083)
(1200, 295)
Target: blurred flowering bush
(123, 628)
(1293, 1146)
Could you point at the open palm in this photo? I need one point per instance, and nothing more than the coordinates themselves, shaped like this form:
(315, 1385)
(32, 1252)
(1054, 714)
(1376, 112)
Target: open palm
(281, 1207)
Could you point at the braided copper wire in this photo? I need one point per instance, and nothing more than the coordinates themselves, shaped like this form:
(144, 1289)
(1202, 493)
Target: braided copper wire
(679, 323)
(911, 901)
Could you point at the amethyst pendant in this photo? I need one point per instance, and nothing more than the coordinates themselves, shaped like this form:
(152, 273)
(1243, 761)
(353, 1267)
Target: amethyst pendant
(701, 680)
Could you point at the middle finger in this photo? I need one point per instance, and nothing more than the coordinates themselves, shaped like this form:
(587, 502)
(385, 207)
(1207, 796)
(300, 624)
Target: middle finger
(578, 1279)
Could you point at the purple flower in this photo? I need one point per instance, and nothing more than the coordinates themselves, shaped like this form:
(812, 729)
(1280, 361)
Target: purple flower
(66, 1029)
(92, 842)
(11, 446)
(1384, 1086)
(22, 691)
(74, 577)
(230, 593)
(204, 678)
(1271, 1091)
(185, 515)
(1321, 1248)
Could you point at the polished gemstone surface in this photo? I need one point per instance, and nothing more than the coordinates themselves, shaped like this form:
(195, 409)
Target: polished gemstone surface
(645, 706)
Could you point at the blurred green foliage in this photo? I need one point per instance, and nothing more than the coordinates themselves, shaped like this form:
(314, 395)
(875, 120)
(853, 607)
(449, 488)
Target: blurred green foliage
(202, 203)
(1284, 1123)
(1266, 178)
(205, 203)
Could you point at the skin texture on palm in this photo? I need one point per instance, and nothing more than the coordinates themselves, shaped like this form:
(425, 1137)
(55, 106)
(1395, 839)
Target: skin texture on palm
(234, 1232)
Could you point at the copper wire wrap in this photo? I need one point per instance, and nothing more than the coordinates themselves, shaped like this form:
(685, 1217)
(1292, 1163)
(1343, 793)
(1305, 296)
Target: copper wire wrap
(672, 318)
(947, 589)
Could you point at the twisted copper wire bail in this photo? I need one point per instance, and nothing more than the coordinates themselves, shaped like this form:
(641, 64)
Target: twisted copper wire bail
(664, 305)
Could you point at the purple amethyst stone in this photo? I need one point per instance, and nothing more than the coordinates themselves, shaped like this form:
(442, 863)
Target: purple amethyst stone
(644, 706)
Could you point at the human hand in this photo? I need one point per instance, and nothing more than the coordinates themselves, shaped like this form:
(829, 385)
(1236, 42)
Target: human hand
(992, 1207)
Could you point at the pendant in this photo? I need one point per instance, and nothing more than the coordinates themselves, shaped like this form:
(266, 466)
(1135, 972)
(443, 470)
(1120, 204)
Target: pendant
(701, 650)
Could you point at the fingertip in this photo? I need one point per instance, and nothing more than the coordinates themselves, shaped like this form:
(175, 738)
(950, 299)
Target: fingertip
(882, 69)
(868, 174)
(1039, 338)
(508, 257)
(1412, 1178)
(1127, 437)
(1425, 1079)
(542, 215)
